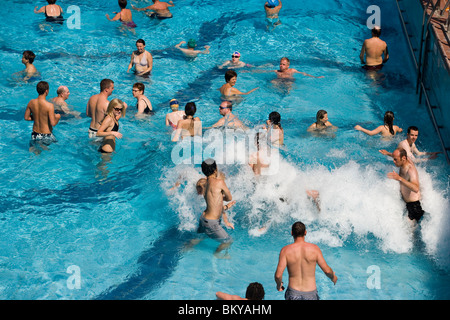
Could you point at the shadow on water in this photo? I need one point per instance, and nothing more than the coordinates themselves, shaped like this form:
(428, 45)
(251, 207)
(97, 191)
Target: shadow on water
(155, 265)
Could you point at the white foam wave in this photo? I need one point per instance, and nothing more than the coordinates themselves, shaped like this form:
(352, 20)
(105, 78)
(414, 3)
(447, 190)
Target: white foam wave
(355, 201)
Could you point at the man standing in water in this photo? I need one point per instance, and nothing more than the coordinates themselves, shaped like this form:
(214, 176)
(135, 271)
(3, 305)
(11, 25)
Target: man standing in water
(409, 145)
(286, 72)
(43, 114)
(301, 258)
(159, 9)
(374, 49)
(215, 192)
(409, 184)
(97, 105)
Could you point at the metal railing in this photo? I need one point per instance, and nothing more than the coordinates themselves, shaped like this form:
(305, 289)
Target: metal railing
(447, 23)
(424, 44)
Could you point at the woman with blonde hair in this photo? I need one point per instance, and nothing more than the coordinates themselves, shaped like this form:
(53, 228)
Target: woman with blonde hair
(109, 127)
(386, 130)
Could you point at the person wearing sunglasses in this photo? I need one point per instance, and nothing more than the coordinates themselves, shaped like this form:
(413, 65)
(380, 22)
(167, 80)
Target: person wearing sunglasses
(109, 128)
(228, 120)
(143, 104)
(235, 62)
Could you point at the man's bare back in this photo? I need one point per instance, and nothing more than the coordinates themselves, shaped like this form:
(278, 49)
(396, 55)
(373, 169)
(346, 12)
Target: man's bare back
(373, 49)
(301, 261)
(301, 258)
(42, 112)
(216, 191)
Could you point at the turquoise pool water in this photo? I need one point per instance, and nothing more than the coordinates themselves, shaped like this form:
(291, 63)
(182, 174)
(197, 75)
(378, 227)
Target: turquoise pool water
(116, 221)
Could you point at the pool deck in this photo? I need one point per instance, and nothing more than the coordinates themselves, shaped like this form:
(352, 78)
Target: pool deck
(438, 23)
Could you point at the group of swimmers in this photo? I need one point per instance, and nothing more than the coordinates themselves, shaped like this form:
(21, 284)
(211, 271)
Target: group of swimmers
(105, 117)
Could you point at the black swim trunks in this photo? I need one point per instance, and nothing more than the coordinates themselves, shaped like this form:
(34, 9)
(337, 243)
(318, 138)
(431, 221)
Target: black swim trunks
(414, 210)
(373, 68)
(48, 137)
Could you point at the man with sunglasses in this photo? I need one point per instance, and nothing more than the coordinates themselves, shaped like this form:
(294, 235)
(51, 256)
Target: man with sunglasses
(228, 119)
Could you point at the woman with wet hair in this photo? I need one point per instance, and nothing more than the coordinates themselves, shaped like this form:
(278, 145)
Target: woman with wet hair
(52, 11)
(275, 132)
(321, 121)
(388, 129)
(189, 126)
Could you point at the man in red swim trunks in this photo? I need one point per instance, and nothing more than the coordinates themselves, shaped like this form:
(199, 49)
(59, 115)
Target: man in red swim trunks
(374, 49)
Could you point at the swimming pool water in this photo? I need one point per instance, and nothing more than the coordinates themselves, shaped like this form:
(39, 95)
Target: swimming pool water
(116, 219)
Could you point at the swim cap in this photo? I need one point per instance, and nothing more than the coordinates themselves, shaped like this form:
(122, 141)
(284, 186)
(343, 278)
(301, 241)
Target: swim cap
(272, 3)
(174, 103)
(191, 43)
(236, 53)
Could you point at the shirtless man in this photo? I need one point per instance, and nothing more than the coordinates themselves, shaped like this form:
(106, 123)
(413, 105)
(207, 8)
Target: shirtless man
(43, 114)
(228, 90)
(285, 72)
(374, 49)
(97, 106)
(229, 120)
(60, 103)
(301, 258)
(409, 184)
(159, 9)
(190, 51)
(28, 59)
(409, 146)
(215, 192)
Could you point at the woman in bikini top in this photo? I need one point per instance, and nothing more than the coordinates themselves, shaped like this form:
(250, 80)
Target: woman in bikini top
(110, 124)
(124, 16)
(141, 59)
